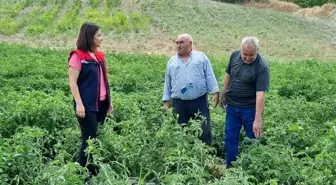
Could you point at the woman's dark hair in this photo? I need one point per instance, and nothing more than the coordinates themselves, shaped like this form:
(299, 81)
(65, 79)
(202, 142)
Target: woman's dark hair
(86, 35)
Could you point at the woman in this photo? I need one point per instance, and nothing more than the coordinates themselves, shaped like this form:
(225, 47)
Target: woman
(89, 86)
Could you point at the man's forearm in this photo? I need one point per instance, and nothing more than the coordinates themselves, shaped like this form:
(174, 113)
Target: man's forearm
(225, 85)
(166, 91)
(260, 105)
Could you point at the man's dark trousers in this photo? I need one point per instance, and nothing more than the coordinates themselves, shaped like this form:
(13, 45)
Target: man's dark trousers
(187, 109)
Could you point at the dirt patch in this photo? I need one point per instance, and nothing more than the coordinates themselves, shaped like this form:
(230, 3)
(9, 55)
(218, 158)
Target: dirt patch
(327, 10)
(275, 5)
(127, 5)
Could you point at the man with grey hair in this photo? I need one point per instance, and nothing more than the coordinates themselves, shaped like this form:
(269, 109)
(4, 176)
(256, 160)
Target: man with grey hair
(189, 78)
(243, 95)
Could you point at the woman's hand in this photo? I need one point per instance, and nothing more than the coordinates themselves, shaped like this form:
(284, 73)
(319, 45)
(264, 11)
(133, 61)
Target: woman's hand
(80, 110)
(110, 109)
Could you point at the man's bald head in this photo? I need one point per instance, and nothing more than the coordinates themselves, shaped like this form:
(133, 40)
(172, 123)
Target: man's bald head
(184, 44)
(186, 36)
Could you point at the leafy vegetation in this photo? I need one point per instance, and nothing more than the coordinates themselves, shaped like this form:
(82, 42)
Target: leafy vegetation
(40, 138)
(111, 17)
(41, 24)
(70, 19)
(8, 9)
(10, 26)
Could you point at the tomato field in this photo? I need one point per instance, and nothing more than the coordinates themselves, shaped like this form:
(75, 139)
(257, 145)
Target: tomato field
(40, 137)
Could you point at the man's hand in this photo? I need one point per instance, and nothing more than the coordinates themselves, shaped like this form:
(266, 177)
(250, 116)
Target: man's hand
(223, 101)
(215, 99)
(257, 128)
(166, 106)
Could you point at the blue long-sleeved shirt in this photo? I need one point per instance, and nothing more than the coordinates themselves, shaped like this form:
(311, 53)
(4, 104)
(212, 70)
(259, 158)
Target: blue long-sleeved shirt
(190, 80)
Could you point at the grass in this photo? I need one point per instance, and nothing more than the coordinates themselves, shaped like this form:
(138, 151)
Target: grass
(218, 28)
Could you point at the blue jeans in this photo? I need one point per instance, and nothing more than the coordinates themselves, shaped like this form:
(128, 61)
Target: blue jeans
(236, 118)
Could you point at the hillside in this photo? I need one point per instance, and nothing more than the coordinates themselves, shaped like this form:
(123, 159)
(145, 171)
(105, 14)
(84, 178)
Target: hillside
(151, 27)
